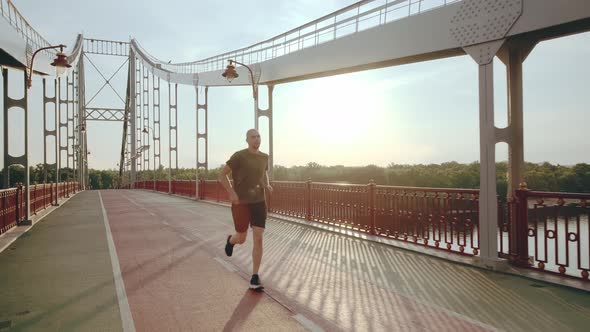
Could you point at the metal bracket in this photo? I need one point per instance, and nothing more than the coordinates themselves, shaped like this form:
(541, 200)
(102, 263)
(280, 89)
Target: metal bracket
(481, 21)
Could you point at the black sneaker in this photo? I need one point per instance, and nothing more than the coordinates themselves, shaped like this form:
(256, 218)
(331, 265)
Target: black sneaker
(255, 283)
(229, 248)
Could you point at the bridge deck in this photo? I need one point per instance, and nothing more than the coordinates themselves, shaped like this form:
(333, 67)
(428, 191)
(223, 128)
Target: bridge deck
(176, 277)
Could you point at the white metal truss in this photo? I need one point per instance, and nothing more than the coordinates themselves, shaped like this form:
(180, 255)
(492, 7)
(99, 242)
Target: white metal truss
(105, 114)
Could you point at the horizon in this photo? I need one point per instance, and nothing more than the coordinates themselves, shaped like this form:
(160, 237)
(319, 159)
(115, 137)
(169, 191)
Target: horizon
(348, 166)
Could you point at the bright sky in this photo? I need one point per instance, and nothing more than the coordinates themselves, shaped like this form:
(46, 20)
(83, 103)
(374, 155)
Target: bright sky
(419, 113)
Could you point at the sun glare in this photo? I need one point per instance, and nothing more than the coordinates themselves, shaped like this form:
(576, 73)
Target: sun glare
(337, 111)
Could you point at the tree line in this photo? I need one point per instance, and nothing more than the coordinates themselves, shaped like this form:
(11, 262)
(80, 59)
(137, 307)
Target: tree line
(541, 177)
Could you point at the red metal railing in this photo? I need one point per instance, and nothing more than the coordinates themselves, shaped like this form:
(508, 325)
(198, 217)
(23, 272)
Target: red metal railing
(440, 218)
(41, 197)
(13, 202)
(208, 189)
(445, 219)
(343, 205)
(184, 188)
(8, 201)
(212, 190)
(291, 199)
(552, 232)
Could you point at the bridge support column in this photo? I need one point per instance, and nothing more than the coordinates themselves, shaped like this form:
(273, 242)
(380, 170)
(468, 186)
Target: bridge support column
(267, 113)
(132, 118)
(484, 55)
(146, 121)
(63, 107)
(173, 127)
(69, 101)
(23, 160)
(138, 122)
(81, 144)
(204, 135)
(156, 126)
(513, 55)
(48, 133)
(70, 118)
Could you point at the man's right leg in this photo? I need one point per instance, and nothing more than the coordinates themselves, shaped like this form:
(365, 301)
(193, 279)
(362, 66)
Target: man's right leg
(241, 217)
(238, 238)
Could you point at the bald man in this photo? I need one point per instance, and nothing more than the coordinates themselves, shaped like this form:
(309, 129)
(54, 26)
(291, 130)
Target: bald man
(249, 171)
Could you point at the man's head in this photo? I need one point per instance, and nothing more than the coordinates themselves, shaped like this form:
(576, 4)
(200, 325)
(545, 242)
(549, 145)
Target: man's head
(253, 138)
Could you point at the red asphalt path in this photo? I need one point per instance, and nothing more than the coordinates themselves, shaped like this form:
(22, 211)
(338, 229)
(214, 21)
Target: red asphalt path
(174, 284)
(177, 279)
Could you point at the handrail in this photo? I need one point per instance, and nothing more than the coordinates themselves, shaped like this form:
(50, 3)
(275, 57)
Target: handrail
(545, 194)
(22, 26)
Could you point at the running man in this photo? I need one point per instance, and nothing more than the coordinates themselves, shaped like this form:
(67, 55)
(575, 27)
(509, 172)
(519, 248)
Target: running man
(249, 170)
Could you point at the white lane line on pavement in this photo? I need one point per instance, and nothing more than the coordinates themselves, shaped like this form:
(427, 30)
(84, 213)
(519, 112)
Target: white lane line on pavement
(126, 317)
(225, 264)
(138, 205)
(307, 324)
(185, 237)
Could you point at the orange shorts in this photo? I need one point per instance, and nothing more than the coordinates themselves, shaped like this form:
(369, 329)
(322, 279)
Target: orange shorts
(248, 214)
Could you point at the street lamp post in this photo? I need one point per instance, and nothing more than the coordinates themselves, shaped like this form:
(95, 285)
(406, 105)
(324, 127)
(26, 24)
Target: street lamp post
(230, 73)
(60, 63)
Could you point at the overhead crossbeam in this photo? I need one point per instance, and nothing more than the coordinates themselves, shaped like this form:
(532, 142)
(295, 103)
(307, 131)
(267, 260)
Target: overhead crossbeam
(106, 81)
(106, 47)
(105, 114)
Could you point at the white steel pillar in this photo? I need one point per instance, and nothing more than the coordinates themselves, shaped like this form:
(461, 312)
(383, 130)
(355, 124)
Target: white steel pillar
(267, 113)
(156, 126)
(484, 55)
(201, 135)
(132, 116)
(172, 132)
(513, 55)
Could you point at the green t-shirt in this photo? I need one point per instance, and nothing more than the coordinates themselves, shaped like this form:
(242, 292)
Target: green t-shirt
(248, 170)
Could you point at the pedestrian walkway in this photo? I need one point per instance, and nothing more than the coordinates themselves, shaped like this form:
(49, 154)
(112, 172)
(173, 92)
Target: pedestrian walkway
(175, 277)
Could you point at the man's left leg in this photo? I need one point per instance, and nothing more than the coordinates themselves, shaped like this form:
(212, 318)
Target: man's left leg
(258, 224)
(257, 233)
(257, 248)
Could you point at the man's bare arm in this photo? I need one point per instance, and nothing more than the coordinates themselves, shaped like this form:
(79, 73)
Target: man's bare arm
(224, 180)
(266, 182)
